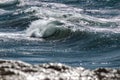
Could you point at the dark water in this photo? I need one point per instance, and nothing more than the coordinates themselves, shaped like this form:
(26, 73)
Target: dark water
(74, 32)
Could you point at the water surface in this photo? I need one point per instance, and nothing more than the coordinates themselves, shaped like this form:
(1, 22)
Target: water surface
(74, 32)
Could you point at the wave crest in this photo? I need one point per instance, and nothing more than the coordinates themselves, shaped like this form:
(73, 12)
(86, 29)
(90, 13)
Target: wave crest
(52, 29)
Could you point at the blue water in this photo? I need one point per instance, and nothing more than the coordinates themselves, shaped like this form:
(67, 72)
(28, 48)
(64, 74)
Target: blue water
(74, 32)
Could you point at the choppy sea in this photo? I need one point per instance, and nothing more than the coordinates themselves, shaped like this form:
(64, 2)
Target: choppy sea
(73, 32)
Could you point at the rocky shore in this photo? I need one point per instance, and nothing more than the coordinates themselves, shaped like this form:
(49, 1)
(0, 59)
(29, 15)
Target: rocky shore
(18, 70)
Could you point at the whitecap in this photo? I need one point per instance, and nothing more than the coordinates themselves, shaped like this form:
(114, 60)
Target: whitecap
(48, 29)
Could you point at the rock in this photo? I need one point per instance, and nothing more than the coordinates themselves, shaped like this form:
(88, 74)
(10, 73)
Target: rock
(17, 70)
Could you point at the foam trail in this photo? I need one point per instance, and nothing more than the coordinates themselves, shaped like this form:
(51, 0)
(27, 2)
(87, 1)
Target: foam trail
(14, 35)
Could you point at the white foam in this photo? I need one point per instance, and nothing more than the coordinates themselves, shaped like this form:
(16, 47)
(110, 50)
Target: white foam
(43, 28)
(18, 36)
(104, 30)
(10, 35)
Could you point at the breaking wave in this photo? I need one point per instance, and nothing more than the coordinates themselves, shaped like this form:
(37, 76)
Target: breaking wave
(51, 29)
(53, 24)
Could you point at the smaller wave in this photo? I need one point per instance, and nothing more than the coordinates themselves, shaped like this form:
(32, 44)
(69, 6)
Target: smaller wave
(2, 12)
(51, 29)
(6, 3)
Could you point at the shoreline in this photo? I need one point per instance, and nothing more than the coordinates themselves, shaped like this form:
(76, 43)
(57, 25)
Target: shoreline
(18, 70)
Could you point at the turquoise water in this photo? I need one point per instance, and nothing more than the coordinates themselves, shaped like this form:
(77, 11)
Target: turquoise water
(74, 32)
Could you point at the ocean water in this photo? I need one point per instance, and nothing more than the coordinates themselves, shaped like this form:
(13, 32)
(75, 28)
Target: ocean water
(73, 32)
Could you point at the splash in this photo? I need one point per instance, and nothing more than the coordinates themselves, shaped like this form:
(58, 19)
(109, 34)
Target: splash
(50, 28)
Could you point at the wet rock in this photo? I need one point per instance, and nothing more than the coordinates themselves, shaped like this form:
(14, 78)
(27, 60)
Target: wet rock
(17, 70)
